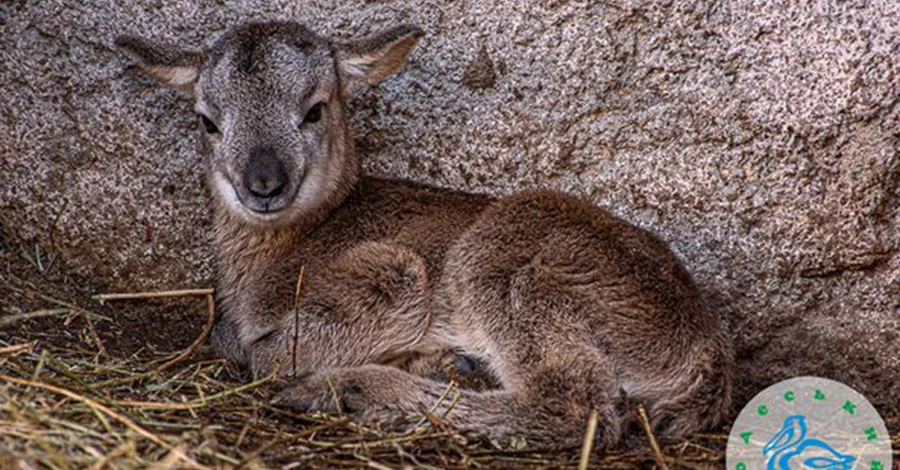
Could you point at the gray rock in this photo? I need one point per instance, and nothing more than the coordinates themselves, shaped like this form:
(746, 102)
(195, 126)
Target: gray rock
(759, 138)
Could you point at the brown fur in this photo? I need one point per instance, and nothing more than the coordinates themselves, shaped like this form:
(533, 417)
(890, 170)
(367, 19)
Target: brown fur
(569, 307)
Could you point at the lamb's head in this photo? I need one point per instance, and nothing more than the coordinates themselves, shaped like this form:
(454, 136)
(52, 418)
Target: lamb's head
(271, 104)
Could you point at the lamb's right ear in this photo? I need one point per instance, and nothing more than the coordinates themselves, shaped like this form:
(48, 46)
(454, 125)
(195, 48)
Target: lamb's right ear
(172, 66)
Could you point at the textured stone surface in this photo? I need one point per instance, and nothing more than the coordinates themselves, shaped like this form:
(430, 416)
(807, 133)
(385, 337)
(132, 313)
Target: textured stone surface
(759, 138)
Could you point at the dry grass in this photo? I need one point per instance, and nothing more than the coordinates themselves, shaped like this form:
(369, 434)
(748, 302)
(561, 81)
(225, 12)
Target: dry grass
(82, 386)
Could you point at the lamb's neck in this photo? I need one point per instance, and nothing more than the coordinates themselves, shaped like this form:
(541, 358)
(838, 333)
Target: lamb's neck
(244, 252)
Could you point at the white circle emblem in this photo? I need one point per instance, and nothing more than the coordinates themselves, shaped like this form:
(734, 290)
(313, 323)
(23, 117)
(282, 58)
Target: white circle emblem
(809, 423)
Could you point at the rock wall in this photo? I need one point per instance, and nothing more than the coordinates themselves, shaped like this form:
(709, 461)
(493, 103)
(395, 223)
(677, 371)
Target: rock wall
(759, 138)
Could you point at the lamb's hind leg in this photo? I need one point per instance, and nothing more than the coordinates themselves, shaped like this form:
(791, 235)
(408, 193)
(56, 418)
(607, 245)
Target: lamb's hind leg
(529, 324)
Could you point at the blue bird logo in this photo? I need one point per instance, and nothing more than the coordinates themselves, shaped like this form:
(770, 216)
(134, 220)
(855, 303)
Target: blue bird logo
(791, 441)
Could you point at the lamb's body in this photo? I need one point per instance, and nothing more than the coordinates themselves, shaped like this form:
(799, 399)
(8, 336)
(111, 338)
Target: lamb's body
(571, 308)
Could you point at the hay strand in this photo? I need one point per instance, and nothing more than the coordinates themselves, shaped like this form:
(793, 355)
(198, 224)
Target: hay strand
(589, 437)
(152, 294)
(645, 424)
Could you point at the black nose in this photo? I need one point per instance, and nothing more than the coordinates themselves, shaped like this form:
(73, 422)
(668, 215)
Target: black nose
(264, 175)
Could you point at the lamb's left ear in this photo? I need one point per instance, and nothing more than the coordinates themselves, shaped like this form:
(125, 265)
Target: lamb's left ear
(370, 60)
(173, 66)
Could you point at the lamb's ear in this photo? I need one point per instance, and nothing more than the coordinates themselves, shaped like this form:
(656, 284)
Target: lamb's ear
(173, 66)
(370, 60)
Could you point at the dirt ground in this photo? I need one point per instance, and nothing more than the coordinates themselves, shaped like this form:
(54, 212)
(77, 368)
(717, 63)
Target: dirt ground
(131, 384)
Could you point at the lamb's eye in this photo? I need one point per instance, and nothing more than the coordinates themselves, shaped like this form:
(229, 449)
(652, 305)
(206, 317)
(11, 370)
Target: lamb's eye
(209, 125)
(314, 113)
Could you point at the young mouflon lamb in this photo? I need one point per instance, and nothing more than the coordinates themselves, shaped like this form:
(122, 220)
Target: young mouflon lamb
(572, 309)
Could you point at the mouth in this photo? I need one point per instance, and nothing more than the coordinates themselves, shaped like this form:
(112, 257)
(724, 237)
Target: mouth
(265, 206)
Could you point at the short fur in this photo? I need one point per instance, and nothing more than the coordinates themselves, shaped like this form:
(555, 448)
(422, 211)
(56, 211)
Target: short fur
(571, 308)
